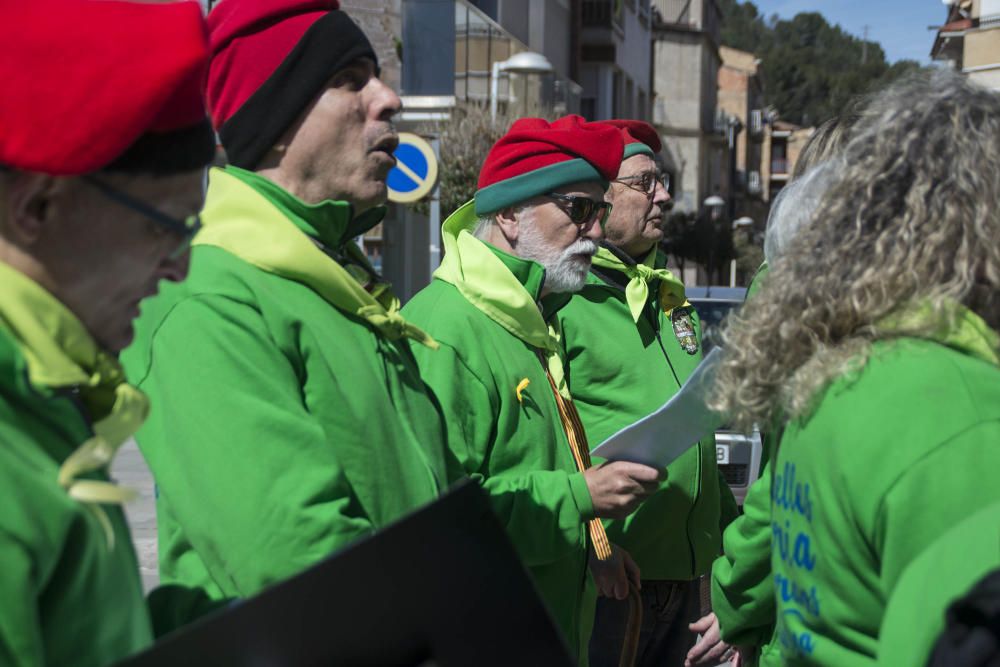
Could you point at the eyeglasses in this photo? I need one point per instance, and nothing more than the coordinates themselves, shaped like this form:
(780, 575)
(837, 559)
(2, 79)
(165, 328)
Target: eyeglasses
(582, 210)
(184, 229)
(645, 182)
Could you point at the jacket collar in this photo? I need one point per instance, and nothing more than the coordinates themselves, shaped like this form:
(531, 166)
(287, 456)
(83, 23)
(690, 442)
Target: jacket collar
(957, 327)
(330, 222)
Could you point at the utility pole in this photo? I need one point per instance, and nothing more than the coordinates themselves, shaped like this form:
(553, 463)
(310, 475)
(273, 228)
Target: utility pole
(864, 47)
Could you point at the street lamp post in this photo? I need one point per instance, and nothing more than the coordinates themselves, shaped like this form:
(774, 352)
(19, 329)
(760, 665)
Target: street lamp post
(714, 204)
(737, 223)
(526, 62)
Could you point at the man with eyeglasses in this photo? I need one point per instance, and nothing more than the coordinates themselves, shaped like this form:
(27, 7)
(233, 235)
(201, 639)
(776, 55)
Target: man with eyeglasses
(513, 257)
(631, 340)
(101, 169)
(291, 420)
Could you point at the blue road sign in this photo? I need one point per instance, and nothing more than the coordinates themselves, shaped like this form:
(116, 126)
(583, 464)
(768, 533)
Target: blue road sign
(415, 172)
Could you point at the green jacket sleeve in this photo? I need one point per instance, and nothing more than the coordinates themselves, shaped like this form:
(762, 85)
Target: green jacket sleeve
(544, 511)
(742, 591)
(21, 642)
(268, 496)
(929, 498)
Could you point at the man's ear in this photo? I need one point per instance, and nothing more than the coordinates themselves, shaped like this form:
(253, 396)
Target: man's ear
(508, 223)
(28, 206)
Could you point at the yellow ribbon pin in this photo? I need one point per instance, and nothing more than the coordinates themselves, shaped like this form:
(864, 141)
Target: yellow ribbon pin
(521, 386)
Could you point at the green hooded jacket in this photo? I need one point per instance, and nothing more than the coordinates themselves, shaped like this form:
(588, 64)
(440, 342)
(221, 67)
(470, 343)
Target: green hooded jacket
(503, 423)
(71, 592)
(892, 456)
(287, 423)
(620, 369)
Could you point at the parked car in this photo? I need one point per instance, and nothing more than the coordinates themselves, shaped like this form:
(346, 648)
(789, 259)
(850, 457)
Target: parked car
(737, 454)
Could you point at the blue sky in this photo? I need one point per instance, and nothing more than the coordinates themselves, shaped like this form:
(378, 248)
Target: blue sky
(900, 26)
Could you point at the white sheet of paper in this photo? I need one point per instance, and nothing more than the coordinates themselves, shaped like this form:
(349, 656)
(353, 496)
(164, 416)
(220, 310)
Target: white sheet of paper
(659, 438)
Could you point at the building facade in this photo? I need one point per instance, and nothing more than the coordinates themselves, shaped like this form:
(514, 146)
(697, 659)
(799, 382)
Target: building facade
(969, 41)
(615, 53)
(741, 97)
(686, 64)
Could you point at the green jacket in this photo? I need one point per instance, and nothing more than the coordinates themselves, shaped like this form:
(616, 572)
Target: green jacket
(620, 370)
(742, 588)
(284, 427)
(945, 571)
(71, 593)
(891, 458)
(482, 308)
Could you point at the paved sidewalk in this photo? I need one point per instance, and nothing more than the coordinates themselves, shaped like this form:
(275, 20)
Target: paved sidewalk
(129, 469)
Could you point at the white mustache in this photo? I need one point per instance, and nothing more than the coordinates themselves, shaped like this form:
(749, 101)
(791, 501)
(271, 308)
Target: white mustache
(582, 247)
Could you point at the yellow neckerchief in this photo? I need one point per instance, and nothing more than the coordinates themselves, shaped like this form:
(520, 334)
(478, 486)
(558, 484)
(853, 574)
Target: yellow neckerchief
(483, 279)
(60, 353)
(960, 328)
(671, 290)
(244, 222)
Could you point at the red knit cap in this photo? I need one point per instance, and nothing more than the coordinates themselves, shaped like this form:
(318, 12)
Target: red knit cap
(270, 60)
(250, 38)
(85, 79)
(639, 136)
(536, 157)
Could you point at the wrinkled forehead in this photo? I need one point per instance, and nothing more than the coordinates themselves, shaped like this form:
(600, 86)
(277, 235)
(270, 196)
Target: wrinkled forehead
(637, 164)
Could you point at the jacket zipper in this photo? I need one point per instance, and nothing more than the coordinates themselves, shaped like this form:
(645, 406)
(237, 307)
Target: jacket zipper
(699, 472)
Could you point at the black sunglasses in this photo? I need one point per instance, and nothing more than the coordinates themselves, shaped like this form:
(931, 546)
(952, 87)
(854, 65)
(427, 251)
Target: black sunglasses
(184, 229)
(582, 210)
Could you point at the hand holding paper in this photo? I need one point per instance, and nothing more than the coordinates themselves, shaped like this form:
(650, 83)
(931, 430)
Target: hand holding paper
(659, 438)
(617, 488)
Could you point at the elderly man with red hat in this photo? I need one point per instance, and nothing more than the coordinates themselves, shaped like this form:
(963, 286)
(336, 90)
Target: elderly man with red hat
(630, 340)
(513, 257)
(291, 420)
(103, 144)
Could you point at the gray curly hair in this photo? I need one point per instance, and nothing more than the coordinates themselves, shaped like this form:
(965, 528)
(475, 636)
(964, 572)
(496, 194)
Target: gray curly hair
(913, 217)
(794, 206)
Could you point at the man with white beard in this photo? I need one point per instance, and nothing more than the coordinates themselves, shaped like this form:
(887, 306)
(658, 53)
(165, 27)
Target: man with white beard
(514, 255)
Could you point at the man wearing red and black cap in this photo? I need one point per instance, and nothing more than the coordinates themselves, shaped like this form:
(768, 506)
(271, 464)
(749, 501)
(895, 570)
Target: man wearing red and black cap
(630, 340)
(291, 420)
(513, 256)
(103, 144)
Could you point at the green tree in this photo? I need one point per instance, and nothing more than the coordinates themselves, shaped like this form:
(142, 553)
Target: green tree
(812, 70)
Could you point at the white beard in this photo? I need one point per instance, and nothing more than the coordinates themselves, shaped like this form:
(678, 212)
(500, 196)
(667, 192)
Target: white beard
(565, 270)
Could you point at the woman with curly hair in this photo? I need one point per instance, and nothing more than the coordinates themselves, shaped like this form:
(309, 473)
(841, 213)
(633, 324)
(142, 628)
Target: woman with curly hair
(872, 349)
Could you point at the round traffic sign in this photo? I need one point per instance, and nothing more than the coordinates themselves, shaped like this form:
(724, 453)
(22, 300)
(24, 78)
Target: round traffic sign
(415, 172)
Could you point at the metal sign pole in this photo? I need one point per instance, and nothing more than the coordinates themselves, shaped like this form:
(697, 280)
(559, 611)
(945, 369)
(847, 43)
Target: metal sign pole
(435, 216)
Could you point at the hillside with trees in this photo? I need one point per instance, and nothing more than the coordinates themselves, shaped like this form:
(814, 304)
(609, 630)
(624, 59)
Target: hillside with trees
(812, 70)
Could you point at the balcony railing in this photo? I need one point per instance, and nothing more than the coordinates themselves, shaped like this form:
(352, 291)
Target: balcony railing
(779, 166)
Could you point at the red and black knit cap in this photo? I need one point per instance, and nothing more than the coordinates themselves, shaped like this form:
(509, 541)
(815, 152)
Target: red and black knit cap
(270, 60)
(536, 157)
(103, 84)
(640, 137)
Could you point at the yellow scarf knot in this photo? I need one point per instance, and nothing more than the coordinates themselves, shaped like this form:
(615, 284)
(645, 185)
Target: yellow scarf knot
(128, 411)
(393, 326)
(671, 290)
